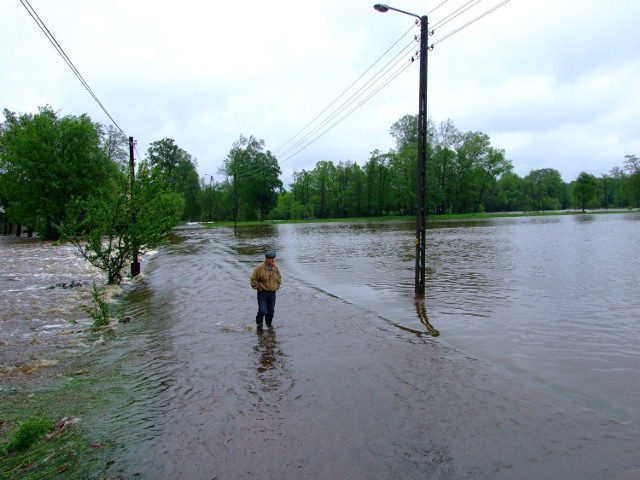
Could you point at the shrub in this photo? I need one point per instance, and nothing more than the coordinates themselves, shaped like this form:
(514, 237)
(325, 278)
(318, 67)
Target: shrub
(99, 311)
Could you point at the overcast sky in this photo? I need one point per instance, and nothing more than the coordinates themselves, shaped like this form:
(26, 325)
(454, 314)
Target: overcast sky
(556, 84)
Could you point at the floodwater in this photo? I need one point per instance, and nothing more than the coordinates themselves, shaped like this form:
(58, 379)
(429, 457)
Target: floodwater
(42, 288)
(534, 374)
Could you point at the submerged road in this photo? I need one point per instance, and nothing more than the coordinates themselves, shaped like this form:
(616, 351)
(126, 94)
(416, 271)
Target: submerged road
(333, 392)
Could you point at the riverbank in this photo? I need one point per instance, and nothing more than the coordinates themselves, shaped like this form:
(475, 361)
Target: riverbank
(46, 343)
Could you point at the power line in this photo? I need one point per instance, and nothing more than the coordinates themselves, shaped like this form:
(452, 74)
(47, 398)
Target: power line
(36, 18)
(448, 18)
(341, 119)
(345, 90)
(433, 10)
(382, 78)
(337, 99)
(493, 9)
(456, 13)
(372, 82)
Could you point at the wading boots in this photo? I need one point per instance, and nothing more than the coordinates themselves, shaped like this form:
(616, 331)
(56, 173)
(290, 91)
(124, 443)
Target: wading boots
(259, 319)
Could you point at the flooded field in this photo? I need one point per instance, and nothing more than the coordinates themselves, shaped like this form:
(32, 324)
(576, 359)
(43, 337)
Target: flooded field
(534, 373)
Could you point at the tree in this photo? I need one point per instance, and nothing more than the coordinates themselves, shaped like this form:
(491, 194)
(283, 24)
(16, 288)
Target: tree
(510, 192)
(545, 190)
(301, 190)
(322, 187)
(254, 178)
(115, 145)
(180, 170)
(353, 183)
(405, 131)
(440, 169)
(166, 155)
(473, 148)
(287, 209)
(45, 160)
(632, 164)
(584, 190)
(631, 183)
(108, 230)
(267, 184)
(623, 196)
(209, 199)
(187, 183)
(490, 165)
(608, 187)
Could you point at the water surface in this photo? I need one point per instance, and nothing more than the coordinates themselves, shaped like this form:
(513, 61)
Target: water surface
(551, 298)
(350, 383)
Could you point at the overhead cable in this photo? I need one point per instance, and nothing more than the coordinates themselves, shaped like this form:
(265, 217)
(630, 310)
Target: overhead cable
(341, 119)
(317, 129)
(442, 39)
(344, 91)
(368, 85)
(456, 13)
(65, 57)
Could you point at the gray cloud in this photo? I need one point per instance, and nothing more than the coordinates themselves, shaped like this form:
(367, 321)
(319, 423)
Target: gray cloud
(553, 83)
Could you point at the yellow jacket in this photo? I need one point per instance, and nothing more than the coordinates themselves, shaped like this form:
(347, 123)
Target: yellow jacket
(264, 279)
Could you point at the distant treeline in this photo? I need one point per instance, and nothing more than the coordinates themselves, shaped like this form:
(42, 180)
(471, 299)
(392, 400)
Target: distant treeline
(465, 174)
(47, 160)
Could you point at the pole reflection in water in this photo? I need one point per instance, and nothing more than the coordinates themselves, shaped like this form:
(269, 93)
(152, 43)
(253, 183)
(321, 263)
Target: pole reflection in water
(421, 310)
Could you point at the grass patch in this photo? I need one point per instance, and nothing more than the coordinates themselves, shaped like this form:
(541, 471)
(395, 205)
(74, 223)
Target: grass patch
(49, 431)
(29, 432)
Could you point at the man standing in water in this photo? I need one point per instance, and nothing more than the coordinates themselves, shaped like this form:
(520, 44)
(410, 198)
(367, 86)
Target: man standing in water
(266, 280)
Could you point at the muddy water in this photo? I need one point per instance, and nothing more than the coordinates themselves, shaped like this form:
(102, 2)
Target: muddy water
(42, 288)
(553, 299)
(350, 385)
(533, 375)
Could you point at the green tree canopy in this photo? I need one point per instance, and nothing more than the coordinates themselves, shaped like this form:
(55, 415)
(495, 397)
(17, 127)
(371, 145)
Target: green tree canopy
(45, 160)
(631, 181)
(181, 171)
(545, 190)
(108, 230)
(584, 190)
(254, 178)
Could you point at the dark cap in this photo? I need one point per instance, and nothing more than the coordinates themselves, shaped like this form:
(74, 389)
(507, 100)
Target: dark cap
(270, 254)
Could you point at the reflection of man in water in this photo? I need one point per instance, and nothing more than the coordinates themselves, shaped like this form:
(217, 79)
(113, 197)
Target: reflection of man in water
(266, 280)
(267, 350)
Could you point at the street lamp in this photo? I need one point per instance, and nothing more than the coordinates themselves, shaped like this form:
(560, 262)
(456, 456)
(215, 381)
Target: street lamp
(421, 222)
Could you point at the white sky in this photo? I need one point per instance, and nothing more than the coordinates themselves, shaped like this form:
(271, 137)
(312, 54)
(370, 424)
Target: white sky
(556, 84)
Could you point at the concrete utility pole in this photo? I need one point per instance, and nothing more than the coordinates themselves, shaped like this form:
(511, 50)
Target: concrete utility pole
(421, 210)
(135, 264)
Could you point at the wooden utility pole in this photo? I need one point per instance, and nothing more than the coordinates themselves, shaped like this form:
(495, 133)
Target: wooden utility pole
(135, 264)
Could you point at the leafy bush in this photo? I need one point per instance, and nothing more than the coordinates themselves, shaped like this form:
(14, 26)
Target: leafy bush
(99, 311)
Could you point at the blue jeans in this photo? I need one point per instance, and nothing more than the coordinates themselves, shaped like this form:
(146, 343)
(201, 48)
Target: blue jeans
(266, 303)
